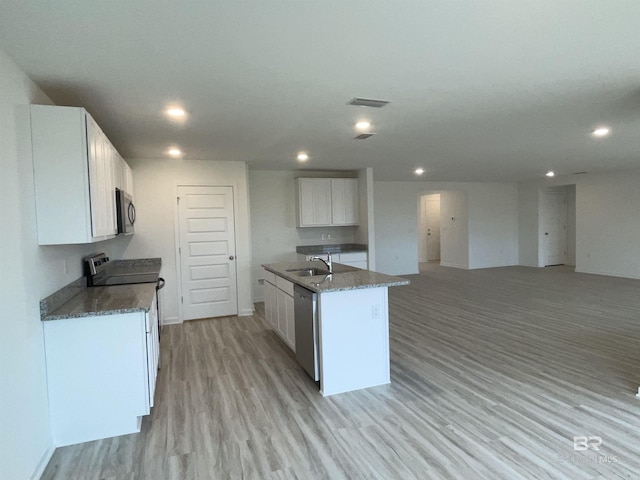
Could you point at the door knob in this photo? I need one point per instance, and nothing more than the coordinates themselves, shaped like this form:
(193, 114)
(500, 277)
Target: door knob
(546, 233)
(231, 257)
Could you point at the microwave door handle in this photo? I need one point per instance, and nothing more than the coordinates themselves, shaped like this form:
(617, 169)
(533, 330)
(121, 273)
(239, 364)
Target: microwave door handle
(131, 212)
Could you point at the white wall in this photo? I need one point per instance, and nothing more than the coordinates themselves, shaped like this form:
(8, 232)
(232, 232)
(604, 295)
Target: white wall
(492, 224)
(571, 224)
(608, 224)
(30, 273)
(454, 229)
(274, 235)
(365, 232)
(156, 184)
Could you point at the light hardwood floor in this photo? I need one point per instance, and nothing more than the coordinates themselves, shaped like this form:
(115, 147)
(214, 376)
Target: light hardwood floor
(493, 373)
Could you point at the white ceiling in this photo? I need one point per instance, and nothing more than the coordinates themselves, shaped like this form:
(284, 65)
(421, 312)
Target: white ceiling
(479, 90)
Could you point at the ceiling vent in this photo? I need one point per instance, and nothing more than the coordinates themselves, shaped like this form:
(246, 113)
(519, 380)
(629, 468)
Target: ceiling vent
(364, 136)
(579, 173)
(367, 102)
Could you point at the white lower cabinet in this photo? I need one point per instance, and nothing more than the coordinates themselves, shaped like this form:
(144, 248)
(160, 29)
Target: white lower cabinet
(153, 349)
(270, 303)
(101, 374)
(352, 259)
(279, 308)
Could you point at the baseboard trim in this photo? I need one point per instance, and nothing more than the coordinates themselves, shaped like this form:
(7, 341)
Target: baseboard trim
(247, 312)
(607, 274)
(454, 265)
(170, 321)
(42, 464)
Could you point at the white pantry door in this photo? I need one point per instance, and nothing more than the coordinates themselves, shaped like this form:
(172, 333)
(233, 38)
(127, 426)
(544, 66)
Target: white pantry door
(430, 227)
(554, 224)
(207, 252)
(433, 227)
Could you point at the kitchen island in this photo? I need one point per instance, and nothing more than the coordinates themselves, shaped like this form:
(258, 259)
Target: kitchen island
(352, 320)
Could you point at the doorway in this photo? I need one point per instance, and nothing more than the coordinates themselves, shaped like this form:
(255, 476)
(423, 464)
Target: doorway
(206, 252)
(557, 226)
(429, 228)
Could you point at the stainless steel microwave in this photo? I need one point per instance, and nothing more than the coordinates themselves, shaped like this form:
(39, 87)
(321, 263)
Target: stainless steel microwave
(125, 212)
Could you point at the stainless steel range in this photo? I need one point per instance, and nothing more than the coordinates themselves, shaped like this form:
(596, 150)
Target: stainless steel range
(100, 273)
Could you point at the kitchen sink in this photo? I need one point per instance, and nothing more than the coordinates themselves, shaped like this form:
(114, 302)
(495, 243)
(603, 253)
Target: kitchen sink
(308, 272)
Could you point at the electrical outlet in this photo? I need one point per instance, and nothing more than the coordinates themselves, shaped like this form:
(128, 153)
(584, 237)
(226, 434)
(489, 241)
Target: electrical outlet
(375, 312)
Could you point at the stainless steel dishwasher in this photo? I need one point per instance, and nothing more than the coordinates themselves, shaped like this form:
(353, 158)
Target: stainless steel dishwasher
(306, 321)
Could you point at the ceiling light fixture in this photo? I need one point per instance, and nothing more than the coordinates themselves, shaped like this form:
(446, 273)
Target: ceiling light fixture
(601, 132)
(302, 157)
(363, 125)
(174, 151)
(176, 112)
(550, 174)
(419, 171)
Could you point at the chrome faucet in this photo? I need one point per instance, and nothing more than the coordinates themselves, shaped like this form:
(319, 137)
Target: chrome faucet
(327, 262)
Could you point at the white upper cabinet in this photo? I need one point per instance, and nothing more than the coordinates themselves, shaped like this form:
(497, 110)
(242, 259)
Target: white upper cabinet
(344, 201)
(314, 202)
(327, 202)
(76, 172)
(124, 175)
(102, 179)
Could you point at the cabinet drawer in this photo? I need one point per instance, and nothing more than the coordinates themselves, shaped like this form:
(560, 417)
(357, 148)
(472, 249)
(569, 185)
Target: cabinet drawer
(270, 277)
(352, 257)
(284, 285)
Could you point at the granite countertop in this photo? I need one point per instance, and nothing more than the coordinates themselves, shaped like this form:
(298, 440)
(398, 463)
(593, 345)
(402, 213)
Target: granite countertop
(130, 267)
(335, 248)
(77, 300)
(344, 277)
(106, 301)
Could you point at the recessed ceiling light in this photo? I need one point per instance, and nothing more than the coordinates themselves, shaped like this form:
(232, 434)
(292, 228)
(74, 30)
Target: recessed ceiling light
(601, 132)
(176, 112)
(419, 171)
(362, 125)
(174, 151)
(550, 173)
(303, 157)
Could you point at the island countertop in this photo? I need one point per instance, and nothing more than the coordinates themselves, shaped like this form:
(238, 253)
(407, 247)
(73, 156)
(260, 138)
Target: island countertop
(344, 277)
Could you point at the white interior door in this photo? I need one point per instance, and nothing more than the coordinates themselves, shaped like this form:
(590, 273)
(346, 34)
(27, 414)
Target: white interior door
(554, 226)
(207, 252)
(422, 254)
(432, 208)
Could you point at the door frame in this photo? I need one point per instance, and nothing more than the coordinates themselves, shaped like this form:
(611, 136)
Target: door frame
(418, 221)
(565, 189)
(176, 240)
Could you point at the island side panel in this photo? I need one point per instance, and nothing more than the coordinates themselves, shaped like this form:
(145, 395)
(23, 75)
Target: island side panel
(354, 339)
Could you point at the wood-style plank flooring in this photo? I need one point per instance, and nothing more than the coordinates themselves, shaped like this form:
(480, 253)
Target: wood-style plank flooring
(493, 374)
